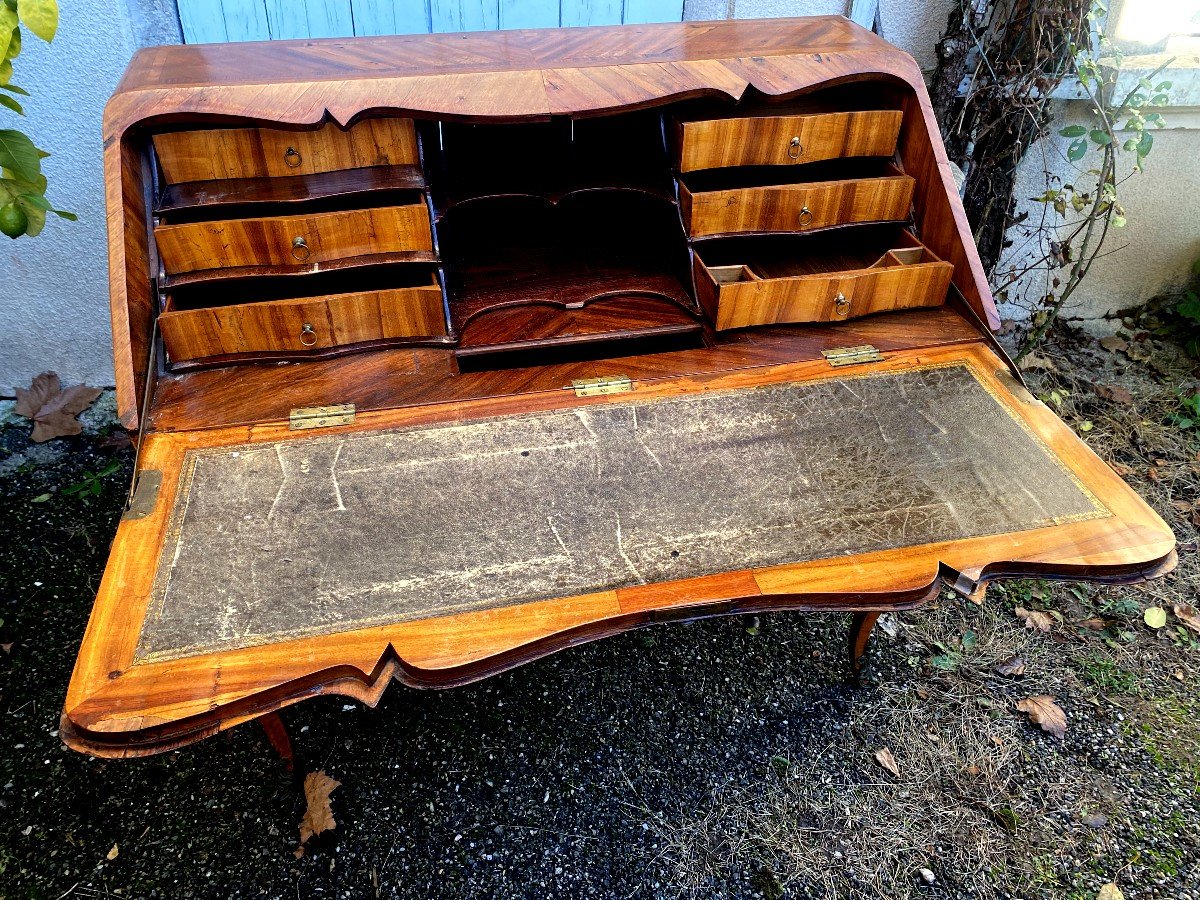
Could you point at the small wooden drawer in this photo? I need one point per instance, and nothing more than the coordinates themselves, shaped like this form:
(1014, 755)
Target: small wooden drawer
(293, 240)
(804, 206)
(222, 153)
(787, 286)
(307, 325)
(786, 140)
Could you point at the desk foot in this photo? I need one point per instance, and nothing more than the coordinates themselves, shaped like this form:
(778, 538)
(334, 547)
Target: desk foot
(278, 738)
(860, 633)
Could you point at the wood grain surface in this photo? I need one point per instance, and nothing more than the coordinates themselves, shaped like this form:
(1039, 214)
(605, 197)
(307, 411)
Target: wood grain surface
(220, 153)
(271, 241)
(787, 140)
(118, 707)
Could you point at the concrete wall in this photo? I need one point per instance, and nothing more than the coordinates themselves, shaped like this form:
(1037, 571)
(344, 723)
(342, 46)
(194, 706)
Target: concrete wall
(55, 295)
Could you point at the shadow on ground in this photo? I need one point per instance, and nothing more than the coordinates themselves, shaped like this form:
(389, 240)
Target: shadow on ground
(682, 761)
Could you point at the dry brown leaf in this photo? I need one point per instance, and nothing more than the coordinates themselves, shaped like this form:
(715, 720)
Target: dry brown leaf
(1037, 361)
(1110, 891)
(1114, 393)
(112, 854)
(1043, 711)
(1122, 470)
(1093, 624)
(52, 407)
(318, 816)
(884, 758)
(1014, 665)
(1035, 619)
(1188, 616)
(1113, 343)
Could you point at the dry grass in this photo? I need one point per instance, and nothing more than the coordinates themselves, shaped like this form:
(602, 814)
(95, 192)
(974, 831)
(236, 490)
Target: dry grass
(991, 807)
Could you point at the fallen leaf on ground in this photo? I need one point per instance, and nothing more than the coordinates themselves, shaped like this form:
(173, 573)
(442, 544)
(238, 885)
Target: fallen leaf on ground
(1188, 616)
(1014, 665)
(1114, 343)
(1093, 624)
(884, 758)
(1110, 891)
(1037, 361)
(1155, 616)
(1038, 621)
(1043, 711)
(112, 854)
(318, 816)
(52, 407)
(1115, 393)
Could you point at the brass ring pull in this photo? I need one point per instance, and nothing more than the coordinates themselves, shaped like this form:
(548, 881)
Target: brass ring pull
(841, 306)
(805, 217)
(291, 158)
(300, 249)
(794, 148)
(308, 337)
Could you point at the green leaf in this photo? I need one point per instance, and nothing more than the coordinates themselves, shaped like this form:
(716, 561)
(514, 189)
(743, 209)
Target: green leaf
(8, 28)
(41, 16)
(14, 46)
(13, 89)
(5, 72)
(1163, 86)
(1077, 150)
(63, 214)
(1073, 131)
(18, 155)
(12, 104)
(37, 200)
(1145, 143)
(40, 498)
(1103, 138)
(1155, 616)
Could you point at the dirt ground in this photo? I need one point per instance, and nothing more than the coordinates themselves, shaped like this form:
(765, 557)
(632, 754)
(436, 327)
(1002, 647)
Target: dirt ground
(695, 761)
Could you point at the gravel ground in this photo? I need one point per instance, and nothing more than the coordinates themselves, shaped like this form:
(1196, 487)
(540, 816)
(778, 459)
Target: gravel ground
(681, 761)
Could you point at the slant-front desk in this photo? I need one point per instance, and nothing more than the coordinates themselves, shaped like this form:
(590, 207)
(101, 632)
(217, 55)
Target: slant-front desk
(447, 352)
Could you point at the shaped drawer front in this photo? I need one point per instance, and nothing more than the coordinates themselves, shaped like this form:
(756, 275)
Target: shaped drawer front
(304, 325)
(745, 300)
(272, 152)
(799, 207)
(787, 140)
(293, 240)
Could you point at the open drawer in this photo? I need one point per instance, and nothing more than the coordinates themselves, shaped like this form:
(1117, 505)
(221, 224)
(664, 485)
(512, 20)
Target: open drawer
(818, 278)
(291, 241)
(759, 200)
(391, 304)
(442, 543)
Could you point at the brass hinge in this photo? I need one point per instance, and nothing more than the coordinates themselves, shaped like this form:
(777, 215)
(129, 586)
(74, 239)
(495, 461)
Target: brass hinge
(851, 356)
(608, 384)
(144, 496)
(305, 417)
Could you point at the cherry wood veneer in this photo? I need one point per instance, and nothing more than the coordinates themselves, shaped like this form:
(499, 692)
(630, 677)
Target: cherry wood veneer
(628, 229)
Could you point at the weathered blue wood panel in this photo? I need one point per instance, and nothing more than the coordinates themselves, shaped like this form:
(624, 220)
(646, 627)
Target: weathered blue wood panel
(528, 13)
(464, 15)
(591, 12)
(203, 21)
(207, 21)
(639, 11)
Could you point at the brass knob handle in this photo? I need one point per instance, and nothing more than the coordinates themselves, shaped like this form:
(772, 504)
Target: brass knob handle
(300, 249)
(794, 148)
(308, 337)
(805, 217)
(292, 158)
(841, 306)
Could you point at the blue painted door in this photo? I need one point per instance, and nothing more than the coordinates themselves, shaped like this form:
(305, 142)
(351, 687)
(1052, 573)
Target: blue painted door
(208, 21)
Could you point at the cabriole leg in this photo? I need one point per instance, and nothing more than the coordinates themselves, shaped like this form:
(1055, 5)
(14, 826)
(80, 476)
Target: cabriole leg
(279, 739)
(860, 633)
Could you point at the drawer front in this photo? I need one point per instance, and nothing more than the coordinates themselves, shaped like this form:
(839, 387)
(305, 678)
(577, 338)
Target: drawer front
(293, 240)
(272, 152)
(831, 298)
(303, 326)
(787, 140)
(800, 207)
